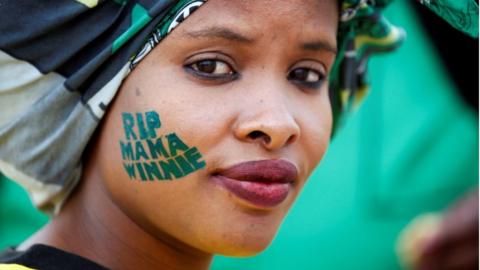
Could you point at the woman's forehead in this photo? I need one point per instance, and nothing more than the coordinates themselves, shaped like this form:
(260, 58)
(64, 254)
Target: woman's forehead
(250, 20)
(276, 7)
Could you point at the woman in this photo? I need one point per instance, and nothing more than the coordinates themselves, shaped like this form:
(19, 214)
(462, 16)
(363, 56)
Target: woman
(207, 143)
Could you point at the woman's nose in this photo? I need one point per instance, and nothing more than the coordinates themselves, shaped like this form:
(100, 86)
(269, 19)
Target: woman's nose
(270, 124)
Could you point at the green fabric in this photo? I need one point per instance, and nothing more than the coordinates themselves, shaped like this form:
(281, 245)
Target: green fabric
(461, 14)
(19, 219)
(140, 18)
(363, 31)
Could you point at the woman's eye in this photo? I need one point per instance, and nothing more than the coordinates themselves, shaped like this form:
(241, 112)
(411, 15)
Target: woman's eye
(306, 75)
(212, 68)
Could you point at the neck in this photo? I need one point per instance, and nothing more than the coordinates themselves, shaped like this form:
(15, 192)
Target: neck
(93, 226)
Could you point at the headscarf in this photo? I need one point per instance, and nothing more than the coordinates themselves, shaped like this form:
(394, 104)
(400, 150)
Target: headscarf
(62, 62)
(461, 14)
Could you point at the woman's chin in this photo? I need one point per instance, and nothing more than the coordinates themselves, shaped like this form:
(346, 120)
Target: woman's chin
(242, 244)
(246, 247)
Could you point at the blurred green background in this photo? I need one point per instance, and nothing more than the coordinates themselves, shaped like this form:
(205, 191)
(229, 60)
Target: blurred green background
(411, 148)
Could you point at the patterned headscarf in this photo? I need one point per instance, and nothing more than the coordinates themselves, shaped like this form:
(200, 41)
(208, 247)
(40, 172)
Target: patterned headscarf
(363, 31)
(461, 14)
(62, 62)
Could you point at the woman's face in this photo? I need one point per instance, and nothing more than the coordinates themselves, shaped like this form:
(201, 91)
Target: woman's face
(213, 135)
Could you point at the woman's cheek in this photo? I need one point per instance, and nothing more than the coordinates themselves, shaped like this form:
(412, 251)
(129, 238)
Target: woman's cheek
(149, 152)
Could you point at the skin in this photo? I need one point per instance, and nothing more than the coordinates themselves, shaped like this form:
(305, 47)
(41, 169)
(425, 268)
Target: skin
(455, 245)
(260, 108)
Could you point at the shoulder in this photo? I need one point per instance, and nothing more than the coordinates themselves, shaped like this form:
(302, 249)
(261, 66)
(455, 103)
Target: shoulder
(13, 266)
(42, 257)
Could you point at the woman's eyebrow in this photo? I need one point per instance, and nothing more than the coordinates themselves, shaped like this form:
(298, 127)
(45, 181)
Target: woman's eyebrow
(220, 32)
(229, 34)
(319, 45)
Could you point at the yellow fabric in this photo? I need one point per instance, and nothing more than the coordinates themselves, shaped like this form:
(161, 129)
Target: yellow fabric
(14, 267)
(89, 3)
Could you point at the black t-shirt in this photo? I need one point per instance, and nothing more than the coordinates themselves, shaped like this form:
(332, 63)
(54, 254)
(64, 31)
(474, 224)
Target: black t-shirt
(42, 257)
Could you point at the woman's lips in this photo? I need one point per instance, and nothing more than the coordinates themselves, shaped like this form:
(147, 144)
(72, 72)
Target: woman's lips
(264, 183)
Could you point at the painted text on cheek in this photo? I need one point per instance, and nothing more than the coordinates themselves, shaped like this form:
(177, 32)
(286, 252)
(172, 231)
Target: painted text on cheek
(151, 156)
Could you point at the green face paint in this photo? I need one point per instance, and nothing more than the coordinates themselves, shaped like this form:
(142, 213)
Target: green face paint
(148, 156)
